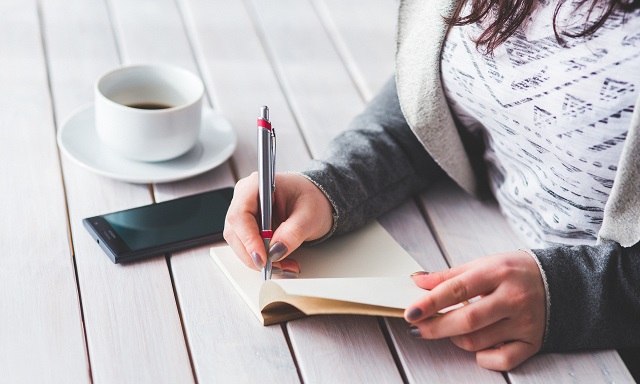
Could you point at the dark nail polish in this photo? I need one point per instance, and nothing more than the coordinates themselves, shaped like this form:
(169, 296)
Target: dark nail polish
(289, 274)
(414, 314)
(276, 271)
(420, 273)
(257, 260)
(277, 251)
(414, 331)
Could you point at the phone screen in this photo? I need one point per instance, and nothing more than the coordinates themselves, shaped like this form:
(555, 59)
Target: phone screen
(162, 227)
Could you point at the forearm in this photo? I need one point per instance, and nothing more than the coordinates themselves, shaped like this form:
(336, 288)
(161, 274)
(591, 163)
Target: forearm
(374, 165)
(594, 296)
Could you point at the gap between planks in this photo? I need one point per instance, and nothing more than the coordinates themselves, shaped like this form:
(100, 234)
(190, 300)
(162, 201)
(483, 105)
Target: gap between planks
(64, 187)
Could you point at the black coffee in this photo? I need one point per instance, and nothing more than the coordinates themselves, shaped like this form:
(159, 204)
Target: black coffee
(149, 106)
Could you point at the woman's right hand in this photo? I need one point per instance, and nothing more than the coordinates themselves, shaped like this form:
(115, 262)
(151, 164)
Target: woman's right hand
(301, 213)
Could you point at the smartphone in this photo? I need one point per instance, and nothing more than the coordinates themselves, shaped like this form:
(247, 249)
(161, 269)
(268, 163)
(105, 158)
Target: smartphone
(161, 228)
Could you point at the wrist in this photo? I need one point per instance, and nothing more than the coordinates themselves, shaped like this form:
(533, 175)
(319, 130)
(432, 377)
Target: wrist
(547, 296)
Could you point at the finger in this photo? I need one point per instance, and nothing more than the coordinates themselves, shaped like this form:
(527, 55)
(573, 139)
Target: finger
(496, 333)
(474, 282)
(288, 265)
(245, 228)
(507, 356)
(241, 223)
(253, 261)
(464, 320)
(287, 268)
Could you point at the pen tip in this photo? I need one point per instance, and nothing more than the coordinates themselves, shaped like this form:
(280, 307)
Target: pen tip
(264, 113)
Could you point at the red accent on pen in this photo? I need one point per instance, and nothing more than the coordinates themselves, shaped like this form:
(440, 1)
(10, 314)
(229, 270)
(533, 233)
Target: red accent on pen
(267, 234)
(264, 124)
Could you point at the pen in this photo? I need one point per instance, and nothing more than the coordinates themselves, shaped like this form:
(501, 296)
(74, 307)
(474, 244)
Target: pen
(266, 181)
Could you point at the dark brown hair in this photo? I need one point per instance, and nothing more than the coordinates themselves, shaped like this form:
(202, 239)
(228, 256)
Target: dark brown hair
(504, 17)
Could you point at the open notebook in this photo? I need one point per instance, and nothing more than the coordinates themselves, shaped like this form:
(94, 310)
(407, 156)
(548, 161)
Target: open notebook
(365, 273)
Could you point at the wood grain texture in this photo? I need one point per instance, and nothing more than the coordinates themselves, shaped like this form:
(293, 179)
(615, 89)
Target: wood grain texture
(131, 319)
(432, 360)
(41, 337)
(364, 35)
(226, 343)
(409, 229)
(317, 85)
(341, 349)
(468, 229)
(580, 367)
(239, 77)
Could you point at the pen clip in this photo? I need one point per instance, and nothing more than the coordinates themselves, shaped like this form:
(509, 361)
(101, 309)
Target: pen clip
(273, 159)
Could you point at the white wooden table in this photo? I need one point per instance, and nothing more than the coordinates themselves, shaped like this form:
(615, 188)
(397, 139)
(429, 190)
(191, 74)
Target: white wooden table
(67, 314)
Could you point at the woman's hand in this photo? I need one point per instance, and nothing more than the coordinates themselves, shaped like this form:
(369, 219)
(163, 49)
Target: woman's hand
(301, 213)
(505, 327)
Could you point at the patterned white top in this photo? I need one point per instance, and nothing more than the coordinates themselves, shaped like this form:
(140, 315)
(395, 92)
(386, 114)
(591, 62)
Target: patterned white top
(553, 118)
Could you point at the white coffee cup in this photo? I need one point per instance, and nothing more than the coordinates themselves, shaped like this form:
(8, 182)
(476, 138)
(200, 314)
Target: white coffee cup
(127, 122)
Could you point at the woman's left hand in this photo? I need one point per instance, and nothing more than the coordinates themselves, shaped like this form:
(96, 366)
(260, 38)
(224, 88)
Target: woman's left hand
(505, 327)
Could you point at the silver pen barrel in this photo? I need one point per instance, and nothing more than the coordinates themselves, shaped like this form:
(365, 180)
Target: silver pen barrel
(265, 171)
(265, 183)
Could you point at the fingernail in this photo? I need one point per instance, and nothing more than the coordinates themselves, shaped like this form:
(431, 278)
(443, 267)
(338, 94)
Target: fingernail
(257, 260)
(277, 251)
(414, 331)
(414, 314)
(420, 273)
(289, 274)
(284, 273)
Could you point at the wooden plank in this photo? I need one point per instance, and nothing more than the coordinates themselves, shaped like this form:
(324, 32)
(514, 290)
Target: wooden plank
(364, 35)
(468, 229)
(318, 87)
(131, 319)
(239, 78)
(299, 46)
(464, 225)
(41, 337)
(151, 32)
(580, 367)
(222, 333)
(341, 349)
(430, 360)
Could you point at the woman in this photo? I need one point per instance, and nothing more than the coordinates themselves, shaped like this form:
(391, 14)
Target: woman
(536, 102)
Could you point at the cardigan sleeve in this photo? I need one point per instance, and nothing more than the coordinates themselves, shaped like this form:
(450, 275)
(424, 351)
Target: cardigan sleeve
(374, 165)
(593, 296)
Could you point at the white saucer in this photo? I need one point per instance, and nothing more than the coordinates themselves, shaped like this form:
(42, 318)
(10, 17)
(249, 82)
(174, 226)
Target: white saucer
(79, 141)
